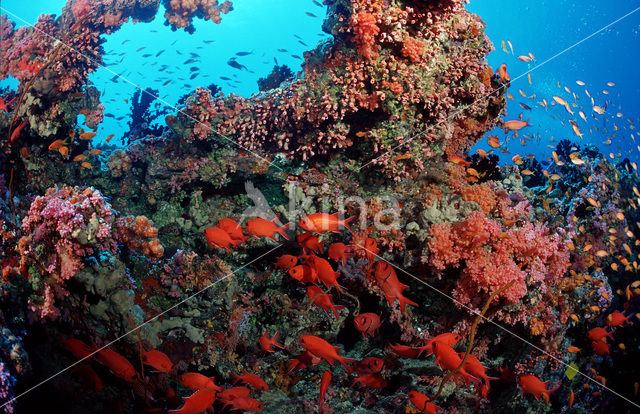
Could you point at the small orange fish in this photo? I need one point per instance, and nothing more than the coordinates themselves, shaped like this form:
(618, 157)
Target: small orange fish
(84, 112)
(95, 152)
(16, 132)
(459, 161)
(267, 343)
(253, 380)
(515, 125)
(56, 144)
(80, 157)
(502, 73)
(87, 135)
(63, 150)
(24, 152)
(573, 349)
(323, 349)
(86, 165)
(367, 323)
(107, 139)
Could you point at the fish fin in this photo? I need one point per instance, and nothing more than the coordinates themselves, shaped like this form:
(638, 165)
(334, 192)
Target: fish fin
(346, 221)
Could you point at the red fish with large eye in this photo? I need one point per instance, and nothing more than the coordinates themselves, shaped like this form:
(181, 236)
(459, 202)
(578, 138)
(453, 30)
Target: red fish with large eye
(157, 360)
(196, 381)
(532, 385)
(310, 243)
(119, 365)
(599, 334)
(233, 229)
(322, 299)
(475, 368)
(267, 343)
(388, 281)
(368, 365)
(448, 338)
(367, 323)
(232, 393)
(447, 358)
(286, 261)
(324, 384)
(264, 228)
(198, 402)
(371, 380)
(304, 274)
(323, 222)
(617, 318)
(406, 351)
(253, 380)
(245, 404)
(340, 252)
(220, 239)
(423, 403)
(323, 349)
(78, 348)
(326, 274)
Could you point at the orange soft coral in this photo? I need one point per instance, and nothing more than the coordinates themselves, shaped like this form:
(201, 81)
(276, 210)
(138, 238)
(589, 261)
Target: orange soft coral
(413, 48)
(365, 29)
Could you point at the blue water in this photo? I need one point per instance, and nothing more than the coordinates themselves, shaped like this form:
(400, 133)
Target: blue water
(544, 28)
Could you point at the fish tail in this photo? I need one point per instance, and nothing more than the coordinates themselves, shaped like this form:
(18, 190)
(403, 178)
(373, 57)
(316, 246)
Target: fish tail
(404, 301)
(346, 221)
(281, 231)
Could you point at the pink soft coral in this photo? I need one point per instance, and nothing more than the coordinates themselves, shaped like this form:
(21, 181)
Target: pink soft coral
(530, 256)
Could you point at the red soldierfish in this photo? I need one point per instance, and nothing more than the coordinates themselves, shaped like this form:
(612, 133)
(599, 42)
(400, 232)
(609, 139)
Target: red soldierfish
(532, 385)
(422, 403)
(16, 132)
(218, 238)
(323, 349)
(253, 380)
(78, 348)
(323, 222)
(367, 323)
(232, 393)
(157, 360)
(286, 261)
(448, 338)
(447, 358)
(304, 274)
(309, 242)
(245, 404)
(322, 299)
(265, 228)
(326, 274)
(340, 252)
(196, 381)
(406, 351)
(197, 403)
(391, 287)
(371, 380)
(232, 228)
(324, 384)
(267, 343)
(118, 364)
